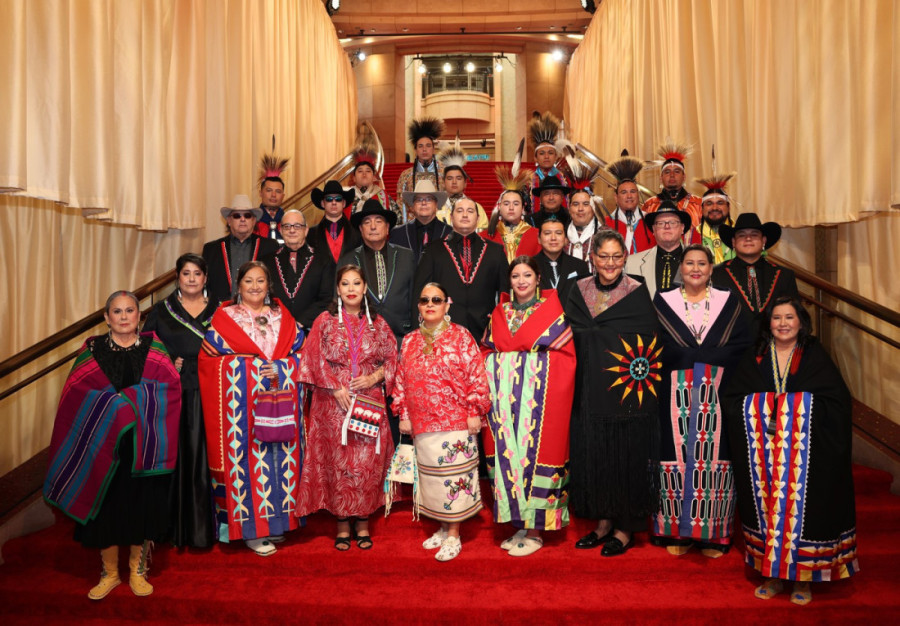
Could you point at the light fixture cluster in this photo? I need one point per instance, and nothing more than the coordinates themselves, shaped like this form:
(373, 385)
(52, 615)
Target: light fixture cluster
(470, 67)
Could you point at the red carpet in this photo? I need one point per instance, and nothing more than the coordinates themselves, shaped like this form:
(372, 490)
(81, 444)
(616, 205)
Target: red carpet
(47, 576)
(483, 188)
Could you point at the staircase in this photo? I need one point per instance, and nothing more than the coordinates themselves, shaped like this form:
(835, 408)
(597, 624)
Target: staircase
(483, 187)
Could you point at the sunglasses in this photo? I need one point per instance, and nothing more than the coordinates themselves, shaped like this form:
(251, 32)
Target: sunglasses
(246, 216)
(334, 198)
(432, 300)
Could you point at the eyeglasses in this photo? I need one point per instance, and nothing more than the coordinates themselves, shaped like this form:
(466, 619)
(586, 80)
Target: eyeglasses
(432, 300)
(244, 216)
(290, 227)
(667, 224)
(333, 198)
(606, 258)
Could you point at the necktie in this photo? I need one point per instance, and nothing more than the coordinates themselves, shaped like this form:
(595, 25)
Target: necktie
(334, 232)
(753, 287)
(425, 239)
(555, 280)
(381, 274)
(667, 272)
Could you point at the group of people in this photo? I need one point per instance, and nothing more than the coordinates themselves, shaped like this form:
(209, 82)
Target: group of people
(647, 369)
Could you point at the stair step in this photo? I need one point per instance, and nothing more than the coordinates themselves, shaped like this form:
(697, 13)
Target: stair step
(483, 188)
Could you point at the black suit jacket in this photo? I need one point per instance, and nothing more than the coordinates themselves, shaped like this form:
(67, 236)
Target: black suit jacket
(569, 269)
(315, 271)
(396, 305)
(405, 236)
(215, 254)
(473, 302)
(318, 238)
(773, 281)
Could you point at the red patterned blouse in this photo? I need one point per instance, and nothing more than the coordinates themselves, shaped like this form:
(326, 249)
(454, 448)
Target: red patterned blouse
(437, 392)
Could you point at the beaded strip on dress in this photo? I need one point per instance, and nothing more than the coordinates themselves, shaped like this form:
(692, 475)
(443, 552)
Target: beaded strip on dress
(185, 322)
(292, 294)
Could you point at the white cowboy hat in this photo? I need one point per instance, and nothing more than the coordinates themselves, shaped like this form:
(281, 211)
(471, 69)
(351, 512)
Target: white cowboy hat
(241, 203)
(425, 188)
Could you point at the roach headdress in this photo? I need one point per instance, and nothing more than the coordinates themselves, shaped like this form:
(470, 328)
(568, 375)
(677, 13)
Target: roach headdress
(271, 165)
(430, 127)
(715, 185)
(366, 150)
(543, 129)
(625, 169)
(454, 158)
(671, 152)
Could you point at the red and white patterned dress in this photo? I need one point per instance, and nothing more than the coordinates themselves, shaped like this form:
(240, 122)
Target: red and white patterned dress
(345, 480)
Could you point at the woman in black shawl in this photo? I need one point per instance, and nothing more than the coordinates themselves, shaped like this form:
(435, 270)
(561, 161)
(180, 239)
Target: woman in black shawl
(791, 410)
(614, 429)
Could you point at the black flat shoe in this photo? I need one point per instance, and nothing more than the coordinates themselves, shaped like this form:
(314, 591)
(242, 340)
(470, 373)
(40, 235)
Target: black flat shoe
(615, 547)
(592, 540)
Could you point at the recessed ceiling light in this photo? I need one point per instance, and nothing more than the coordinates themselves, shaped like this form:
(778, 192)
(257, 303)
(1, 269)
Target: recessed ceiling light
(553, 37)
(518, 28)
(405, 29)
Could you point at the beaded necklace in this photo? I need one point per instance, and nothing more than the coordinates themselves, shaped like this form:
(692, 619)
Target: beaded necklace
(430, 334)
(698, 333)
(780, 380)
(354, 344)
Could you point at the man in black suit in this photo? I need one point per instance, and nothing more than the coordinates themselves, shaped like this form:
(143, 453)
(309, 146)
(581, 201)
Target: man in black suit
(302, 278)
(226, 255)
(559, 270)
(334, 235)
(757, 280)
(418, 233)
(389, 269)
(473, 270)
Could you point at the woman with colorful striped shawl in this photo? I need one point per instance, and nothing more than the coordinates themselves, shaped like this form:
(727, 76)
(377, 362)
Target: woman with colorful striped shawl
(114, 444)
(251, 347)
(789, 411)
(530, 360)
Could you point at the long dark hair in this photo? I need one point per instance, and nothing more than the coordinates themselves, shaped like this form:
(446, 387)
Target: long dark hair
(242, 271)
(804, 337)
(333, 307)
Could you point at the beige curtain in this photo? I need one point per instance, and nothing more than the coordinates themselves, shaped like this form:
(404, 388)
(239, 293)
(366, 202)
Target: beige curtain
(800, 97)
(149, 115)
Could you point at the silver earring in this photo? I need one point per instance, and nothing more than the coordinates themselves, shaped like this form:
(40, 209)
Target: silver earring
(447, 317)
(178, 293)
(268, 300)
(237, 298)
(368, 316)
(205, 295)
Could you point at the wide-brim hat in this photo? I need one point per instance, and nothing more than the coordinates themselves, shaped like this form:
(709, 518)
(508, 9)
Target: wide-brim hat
(373, 207)
(241, 203)
(331, 188)
(550, 183)
(668, 207)
(425, 188)
(770, 230)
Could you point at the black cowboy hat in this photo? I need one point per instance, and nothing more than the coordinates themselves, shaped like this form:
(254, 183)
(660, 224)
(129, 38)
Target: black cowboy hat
(373, 207)
(550, 183)
(770, 230)
(332, 188)
(667, 206)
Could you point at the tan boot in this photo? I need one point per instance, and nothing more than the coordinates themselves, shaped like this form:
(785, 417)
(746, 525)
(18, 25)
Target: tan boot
(109, 576)
(139, 564)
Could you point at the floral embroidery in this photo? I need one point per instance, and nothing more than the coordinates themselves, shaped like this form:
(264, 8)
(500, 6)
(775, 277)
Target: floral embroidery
(453, 449)
(461, 484)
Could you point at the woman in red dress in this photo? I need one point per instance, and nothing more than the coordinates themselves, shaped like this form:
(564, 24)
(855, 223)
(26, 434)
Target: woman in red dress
(349, 352)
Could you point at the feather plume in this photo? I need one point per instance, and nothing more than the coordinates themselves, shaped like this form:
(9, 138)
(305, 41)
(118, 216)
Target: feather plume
(271, 165)
(625, 168)
(510, 181)
(580, 174)
(714, 159)
(517, 162)
(543, 128)
(673, 150)
(715, 183)
(430, 127)
(454, 156)
(366, 149)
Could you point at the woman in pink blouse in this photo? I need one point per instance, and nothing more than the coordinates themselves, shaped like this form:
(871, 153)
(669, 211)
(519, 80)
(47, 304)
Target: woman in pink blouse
(441, 395)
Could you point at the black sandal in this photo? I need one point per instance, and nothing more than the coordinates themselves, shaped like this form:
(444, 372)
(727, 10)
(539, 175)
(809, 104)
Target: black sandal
(363, 542)
(342, 544)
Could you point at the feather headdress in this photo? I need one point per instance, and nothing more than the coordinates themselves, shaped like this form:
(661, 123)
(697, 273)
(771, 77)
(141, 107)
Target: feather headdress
(671, 152)
(271, 165)
(543, 129)
(366, 150)
(430, 127)
(513, 181)
(581, 175)
(715, 184)
(453, 156)
(625, 168)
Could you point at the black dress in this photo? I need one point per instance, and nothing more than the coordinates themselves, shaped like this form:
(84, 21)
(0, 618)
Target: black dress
(191, 499)
(133, 509)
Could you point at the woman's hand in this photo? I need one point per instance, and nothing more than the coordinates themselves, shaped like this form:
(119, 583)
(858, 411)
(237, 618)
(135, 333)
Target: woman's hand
(268, 370)
(343, 397)
(178, 363)
(474, 424)
(364, 382)
(406, 427)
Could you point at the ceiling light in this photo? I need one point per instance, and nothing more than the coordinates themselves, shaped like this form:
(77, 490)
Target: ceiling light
(498, 66)
(557, 55)
(571, 36)
(360, 55)
(553, 37)
(470, 67)
(422, 69)
(589, 5)
(518, 28)
(447, 68)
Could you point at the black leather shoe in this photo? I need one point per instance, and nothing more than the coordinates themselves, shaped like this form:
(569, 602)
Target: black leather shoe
(592, 540)
(615, 547)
